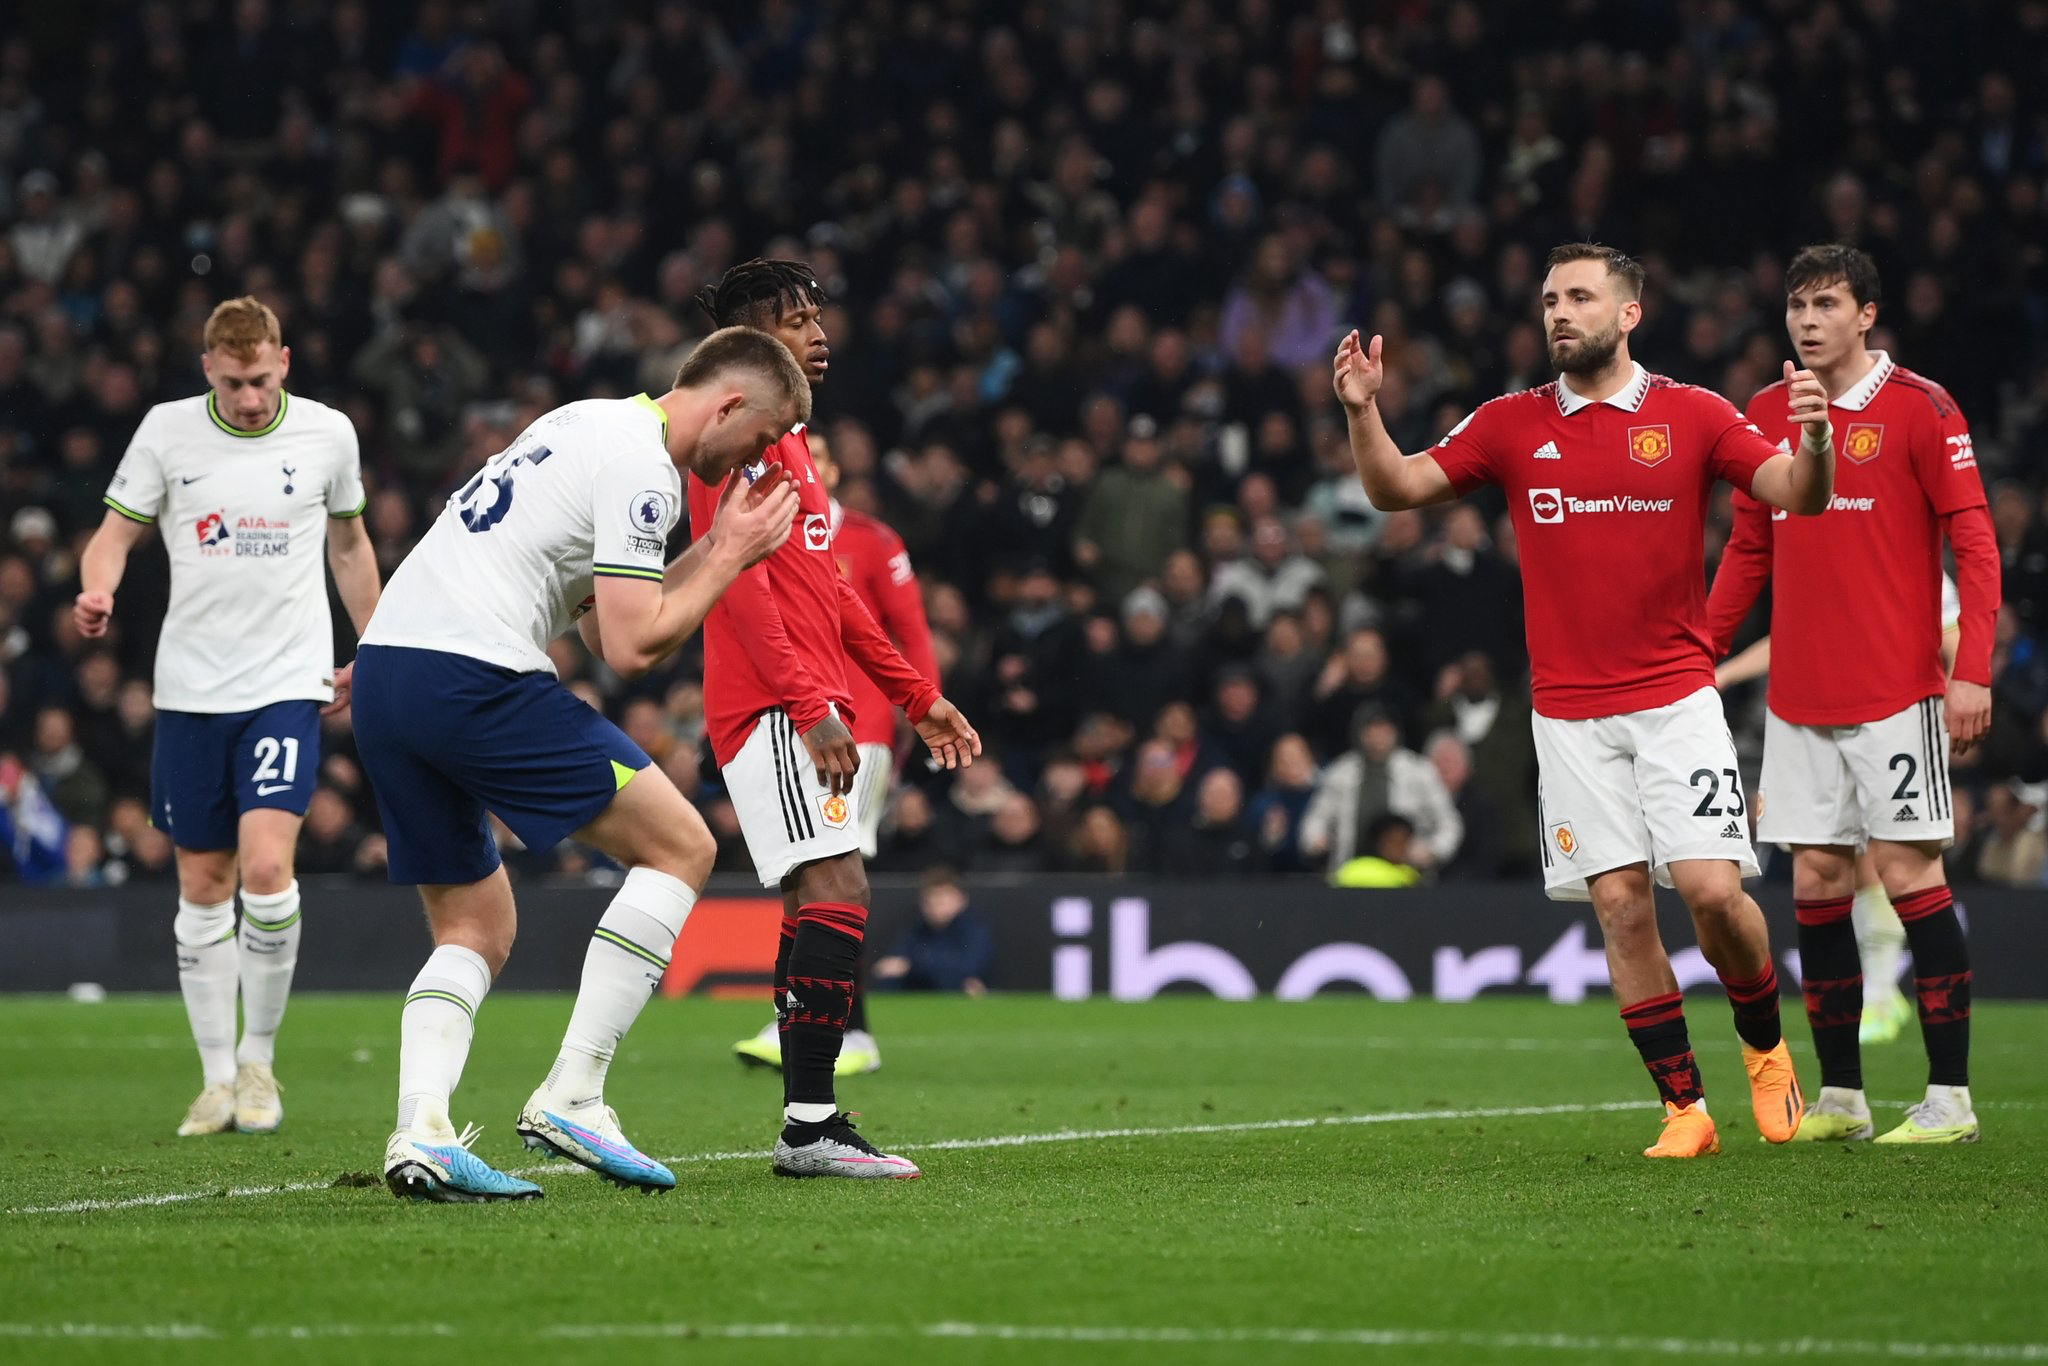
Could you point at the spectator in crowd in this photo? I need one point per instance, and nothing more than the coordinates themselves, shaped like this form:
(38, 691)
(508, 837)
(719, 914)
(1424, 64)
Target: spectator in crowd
(1100, 844)
(1015, 841)
(1388, 843)
(1376, 777)
(1494, 728)
(1479, 852)
(947, 948)
(1276, 811)
(2015, 850)
(1274, 577)
(1217, 841)
(1133, 519)
(1357, 678)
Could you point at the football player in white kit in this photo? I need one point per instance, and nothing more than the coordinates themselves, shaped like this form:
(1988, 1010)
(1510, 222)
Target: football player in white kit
(459, 715)
(247, 485)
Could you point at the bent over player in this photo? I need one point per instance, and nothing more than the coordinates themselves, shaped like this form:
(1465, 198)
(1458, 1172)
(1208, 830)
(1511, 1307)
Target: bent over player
(1862, 713)
(778, 708)
(458, 713)
(1607, 472)
(247, 485)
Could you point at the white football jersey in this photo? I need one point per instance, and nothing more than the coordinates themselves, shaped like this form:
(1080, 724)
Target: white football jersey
(244, 517)
(1951, 604)
(587, 491)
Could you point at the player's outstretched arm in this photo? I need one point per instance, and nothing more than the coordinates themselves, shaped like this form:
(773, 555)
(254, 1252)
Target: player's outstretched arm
(1392, 480)
(1802, 482)
(100, 570)
(952, 741)
(641, 622)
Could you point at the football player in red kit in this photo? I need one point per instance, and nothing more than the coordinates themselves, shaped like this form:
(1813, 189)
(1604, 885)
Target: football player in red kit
(1862, 712)
(779, 709)
(1607, 472)
(873, 559)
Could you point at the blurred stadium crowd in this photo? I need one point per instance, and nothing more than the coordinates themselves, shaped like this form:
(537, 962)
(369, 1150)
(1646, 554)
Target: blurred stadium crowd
(1089, 262)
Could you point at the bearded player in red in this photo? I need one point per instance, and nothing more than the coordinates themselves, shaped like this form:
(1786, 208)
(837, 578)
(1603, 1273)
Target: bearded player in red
(874, 560)
(1862, 712)
(1607, 473)
(779, 709)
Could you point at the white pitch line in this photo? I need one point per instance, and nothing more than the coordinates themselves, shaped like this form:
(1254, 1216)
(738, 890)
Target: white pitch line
(1580, 1344)
(942, 1145)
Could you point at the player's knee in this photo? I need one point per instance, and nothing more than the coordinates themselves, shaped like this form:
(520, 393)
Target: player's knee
(207, 879)
(843, 879)
(689, 855)
(266, 874)
(491, 942)
(1717, 901)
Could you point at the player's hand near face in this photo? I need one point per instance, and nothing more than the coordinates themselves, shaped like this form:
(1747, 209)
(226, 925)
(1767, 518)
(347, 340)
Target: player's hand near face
(1357, 372)
(1809, 403)
(91, 613)
(836, 756)
(752, 525)
(1969, 716)
(952, 741)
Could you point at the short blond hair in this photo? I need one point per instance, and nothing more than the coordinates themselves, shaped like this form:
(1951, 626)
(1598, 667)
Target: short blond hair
(241, 326)
(752, 350)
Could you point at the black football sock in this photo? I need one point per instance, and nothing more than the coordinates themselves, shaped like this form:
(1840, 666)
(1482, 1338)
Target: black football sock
(1941, 979)
(783, 943)
(857, 1018)
(1831, 978)
(1656, 1027)
(822, 961)
(1756, 1008)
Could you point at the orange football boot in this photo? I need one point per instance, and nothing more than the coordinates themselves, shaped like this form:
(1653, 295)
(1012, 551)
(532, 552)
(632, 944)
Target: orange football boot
(1688, 1132)
(1774, 1092)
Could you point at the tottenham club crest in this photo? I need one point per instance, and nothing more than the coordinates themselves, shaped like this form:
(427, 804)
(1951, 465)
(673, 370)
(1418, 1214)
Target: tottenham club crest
(650, 513)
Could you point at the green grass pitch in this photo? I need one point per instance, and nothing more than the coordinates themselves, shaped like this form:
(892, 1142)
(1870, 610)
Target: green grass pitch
(1185, 1180)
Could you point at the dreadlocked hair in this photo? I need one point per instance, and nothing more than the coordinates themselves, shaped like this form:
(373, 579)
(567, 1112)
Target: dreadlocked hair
(759, 284)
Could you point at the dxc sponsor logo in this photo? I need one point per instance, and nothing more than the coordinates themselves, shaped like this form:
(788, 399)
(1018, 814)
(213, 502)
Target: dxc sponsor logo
(1138, 970)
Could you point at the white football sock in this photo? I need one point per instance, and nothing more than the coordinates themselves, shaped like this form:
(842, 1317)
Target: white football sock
(434, 1033)
(269, 953)
(206, 974)
(1880, 942)
(628, 954)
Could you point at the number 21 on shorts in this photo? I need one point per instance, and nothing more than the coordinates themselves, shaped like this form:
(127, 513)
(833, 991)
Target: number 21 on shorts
(269, 777)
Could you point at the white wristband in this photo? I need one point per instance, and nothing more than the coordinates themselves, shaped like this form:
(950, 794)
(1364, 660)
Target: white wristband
(1821, 445)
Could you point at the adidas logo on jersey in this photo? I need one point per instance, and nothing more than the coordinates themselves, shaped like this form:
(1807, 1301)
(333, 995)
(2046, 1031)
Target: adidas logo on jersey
(1547, 451)
(1732, 831)
(1905, 813)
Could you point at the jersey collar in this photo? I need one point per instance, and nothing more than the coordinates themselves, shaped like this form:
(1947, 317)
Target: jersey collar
(284, 403)
(1629, 399)
(1859, 398)
(659, 416)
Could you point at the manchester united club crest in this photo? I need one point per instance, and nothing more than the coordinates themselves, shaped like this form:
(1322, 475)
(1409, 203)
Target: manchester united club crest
(1862, 441)
(1567, 842)
(834, 809)
(1649, 445)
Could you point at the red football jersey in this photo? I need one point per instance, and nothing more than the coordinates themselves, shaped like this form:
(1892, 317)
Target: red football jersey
(1856, 620)
(1609, 501)
(872, 558)
(773, 640)
(782, 635)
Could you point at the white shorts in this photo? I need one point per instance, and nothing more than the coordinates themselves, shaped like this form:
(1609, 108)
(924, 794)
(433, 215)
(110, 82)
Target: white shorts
(1656, 787)
(877, 774)
(788, 817)
(1847, 785)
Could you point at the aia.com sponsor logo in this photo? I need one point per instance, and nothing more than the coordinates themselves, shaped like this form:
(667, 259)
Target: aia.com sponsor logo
(1549, 506)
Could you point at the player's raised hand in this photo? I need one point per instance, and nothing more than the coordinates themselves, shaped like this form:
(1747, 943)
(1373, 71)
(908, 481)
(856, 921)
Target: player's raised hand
(1357, 372)
(945, 731)
(91, 612)
(1969, 715)
(1809, 400)
(833, 751)
(344, 686)
(751, 526)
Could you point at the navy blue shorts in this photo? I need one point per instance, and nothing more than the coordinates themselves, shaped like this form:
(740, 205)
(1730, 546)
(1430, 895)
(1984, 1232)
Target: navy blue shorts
(446, 738)
(210, 767)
